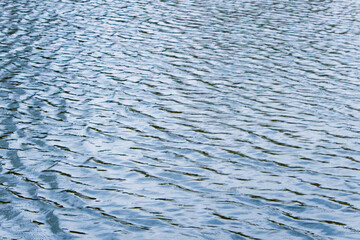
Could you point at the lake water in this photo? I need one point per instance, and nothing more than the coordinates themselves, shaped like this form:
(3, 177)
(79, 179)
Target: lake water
(180, 119)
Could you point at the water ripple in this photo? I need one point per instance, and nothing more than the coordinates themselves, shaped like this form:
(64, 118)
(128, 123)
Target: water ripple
(190, 119)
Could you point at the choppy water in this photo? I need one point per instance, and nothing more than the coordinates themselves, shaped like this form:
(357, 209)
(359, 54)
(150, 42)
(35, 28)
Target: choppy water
(182, 119)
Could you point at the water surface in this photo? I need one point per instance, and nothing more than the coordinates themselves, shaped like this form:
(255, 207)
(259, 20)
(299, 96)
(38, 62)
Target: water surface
(186, 119)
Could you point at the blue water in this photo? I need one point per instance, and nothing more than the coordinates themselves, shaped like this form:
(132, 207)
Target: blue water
(179, 119)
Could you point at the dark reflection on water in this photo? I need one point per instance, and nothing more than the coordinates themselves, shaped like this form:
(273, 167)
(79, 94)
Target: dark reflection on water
(190, 119)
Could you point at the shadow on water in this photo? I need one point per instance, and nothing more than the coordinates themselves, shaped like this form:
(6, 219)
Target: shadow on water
(190, 119)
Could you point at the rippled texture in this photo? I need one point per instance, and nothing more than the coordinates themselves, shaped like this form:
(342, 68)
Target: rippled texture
(180, 119)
